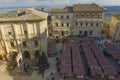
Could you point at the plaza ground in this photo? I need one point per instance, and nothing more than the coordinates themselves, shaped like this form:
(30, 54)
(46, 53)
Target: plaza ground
(32, 74)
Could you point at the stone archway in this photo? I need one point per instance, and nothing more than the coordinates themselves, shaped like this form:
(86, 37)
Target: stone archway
(85, 33)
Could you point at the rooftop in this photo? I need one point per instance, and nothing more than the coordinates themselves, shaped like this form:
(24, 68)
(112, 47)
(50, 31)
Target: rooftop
(25, 17)
(88, 7)
(64, 10)
(79, 7)
(30, 14)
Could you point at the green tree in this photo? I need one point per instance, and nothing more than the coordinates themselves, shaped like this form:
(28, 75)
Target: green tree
(43, 61)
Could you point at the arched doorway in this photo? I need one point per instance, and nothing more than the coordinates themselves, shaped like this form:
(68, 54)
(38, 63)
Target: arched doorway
(26, 55)
(85, 33)
(36, 54)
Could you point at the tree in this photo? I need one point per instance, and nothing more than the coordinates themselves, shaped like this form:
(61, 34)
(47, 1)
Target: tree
(43, 61)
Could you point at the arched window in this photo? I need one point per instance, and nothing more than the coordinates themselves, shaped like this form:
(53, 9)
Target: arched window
(92, 15)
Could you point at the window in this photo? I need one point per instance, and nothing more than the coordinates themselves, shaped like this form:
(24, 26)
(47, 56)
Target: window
(9, 33)
(82, 15)
(97, 24)
(98, 16)
(86, 24)
(50, 34)
(12, 44)
(24, 44)
(61, 17)
(90, 32)
(26, 55)
(80, 32)
(76, 24)
(81, 24)
(25, 31)
(91, 24)
(36, 43)
(68, 24)
(9, 30)
(87, 15)
(76, 15)
(67, 17)
(93, 16)
(56, 24)
(62, 24)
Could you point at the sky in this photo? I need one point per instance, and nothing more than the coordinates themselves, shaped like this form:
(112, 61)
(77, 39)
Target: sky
(30, 3)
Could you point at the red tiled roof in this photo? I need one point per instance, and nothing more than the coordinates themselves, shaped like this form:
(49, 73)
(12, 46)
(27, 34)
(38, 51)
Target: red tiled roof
(91, 60)
(107, 67)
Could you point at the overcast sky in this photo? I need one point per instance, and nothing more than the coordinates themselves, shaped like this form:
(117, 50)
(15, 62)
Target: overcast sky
(22, 3)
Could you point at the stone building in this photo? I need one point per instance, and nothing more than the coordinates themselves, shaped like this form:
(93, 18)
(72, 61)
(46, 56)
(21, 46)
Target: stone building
(115, 27)
(87, 20)
(78, 20)
(61, 21)
(25, 35)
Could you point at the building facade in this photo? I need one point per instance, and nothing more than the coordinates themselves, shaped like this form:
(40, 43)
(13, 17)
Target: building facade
(78, 20)
(115, 27)
(87, 20)
(61, 21)
(25, 35)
